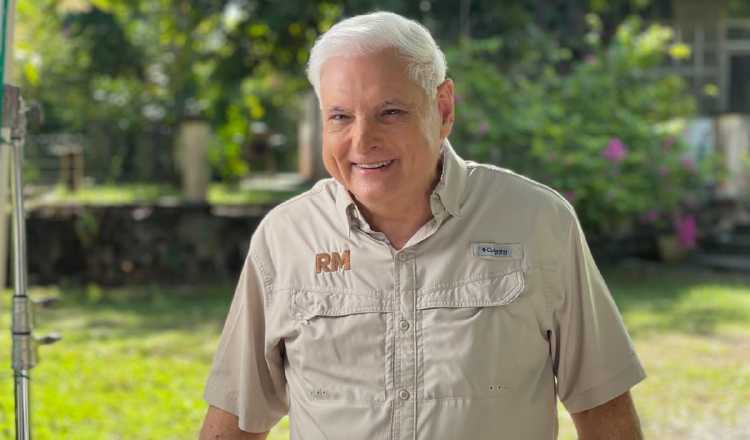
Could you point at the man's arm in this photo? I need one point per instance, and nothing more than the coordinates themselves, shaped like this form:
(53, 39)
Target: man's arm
(614, 420)
(221, 425)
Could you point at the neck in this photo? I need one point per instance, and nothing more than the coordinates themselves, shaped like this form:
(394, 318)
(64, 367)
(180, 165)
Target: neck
(401, 218)
(398, 223)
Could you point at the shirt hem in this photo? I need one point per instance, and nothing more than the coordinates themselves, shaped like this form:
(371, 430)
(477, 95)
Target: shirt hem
(252, 427)
(603, 393)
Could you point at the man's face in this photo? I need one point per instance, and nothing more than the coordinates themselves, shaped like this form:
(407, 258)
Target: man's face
(381, 133)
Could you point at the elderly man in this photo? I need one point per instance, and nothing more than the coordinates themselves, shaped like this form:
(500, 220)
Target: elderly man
(416, 295)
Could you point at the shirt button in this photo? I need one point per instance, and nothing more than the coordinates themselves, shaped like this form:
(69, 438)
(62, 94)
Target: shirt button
(404, 324)
(403, 395)
(404, 257)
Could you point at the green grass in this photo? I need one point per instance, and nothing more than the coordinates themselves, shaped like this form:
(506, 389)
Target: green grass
(218, 194)
(134, 360)
(692, 333)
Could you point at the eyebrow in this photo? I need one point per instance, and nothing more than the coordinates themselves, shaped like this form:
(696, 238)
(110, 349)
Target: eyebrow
(397, 102)
(335, 108)
(385, 103)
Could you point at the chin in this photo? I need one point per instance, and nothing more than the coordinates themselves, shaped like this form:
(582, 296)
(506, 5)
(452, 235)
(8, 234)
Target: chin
(371, 196)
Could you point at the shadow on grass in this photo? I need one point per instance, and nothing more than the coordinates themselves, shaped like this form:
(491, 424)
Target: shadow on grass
(138, 311)
(652, 300)
(679, 299)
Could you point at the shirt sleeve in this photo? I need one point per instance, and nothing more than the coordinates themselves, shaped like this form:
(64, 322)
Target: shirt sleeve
(594, 359)
(247, 377)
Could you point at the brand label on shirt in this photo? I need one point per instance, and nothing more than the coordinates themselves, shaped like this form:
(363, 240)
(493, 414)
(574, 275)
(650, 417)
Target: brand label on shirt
(495, 250)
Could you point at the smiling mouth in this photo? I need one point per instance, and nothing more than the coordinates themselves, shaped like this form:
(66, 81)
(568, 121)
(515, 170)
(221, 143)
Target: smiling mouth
(374, 165)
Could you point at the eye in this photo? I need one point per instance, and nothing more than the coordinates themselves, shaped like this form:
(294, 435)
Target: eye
(338, 117)
(392, 112)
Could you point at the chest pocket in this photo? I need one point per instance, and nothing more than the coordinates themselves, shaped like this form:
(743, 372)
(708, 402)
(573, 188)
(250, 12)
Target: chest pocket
(479, 339)
(342, 344)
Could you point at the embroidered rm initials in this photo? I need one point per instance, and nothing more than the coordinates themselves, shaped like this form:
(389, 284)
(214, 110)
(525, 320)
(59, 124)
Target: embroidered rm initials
(333, 262)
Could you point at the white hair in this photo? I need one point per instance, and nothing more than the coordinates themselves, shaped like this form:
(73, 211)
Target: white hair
(364, 34)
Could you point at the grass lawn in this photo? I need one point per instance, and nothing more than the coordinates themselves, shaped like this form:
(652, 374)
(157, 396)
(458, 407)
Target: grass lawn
(133, 360)
(218, 194)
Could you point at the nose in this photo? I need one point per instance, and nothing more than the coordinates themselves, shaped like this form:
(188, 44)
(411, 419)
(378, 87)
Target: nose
(364, 135)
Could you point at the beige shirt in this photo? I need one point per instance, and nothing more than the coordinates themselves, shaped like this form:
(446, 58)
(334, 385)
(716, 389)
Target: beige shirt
(492, 311)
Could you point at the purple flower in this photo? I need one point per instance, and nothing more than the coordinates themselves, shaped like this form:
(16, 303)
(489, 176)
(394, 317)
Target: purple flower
(686, 231)
(484, 127)
(615, 151)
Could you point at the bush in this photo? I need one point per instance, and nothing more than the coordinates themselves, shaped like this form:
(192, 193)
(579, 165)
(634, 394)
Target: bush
(603, 128)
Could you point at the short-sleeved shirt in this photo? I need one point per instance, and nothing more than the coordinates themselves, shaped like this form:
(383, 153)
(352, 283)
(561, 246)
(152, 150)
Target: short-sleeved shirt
(492, 311)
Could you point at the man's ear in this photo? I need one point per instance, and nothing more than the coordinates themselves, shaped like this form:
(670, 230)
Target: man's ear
(446, 107)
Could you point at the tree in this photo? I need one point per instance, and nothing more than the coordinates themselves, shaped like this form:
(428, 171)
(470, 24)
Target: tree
(126, 73)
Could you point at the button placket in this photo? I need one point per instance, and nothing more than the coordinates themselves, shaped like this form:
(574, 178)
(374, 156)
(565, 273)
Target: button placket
(405, 270)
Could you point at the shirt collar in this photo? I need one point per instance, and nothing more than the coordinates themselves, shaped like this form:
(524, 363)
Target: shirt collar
(450, 188)
(446, 197)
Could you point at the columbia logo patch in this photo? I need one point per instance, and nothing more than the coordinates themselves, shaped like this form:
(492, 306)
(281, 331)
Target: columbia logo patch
(495, 250)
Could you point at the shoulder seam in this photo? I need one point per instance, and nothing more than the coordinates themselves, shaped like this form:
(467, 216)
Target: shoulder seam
(315, 190)
(516, 176)
(267, 280)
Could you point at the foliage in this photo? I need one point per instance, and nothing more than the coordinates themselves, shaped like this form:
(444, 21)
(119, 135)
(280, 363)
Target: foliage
(604, 132)
(133, 361)
(739, 8)
(126, 73)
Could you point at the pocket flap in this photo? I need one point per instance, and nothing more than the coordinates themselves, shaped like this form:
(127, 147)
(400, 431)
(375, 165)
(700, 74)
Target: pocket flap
(309, 303)
(494, 291)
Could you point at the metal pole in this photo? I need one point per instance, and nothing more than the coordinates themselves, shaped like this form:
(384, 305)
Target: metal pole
(23, 351)
(13, 135)
(13, 114)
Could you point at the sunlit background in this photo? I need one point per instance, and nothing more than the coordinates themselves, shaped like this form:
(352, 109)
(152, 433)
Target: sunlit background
(172, 126)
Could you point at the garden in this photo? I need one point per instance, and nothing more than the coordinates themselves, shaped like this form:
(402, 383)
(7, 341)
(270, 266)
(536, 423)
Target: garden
(586, 97)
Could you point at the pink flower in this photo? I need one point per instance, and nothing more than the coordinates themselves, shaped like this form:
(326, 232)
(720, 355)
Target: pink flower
(688, 164)
(666, 145)
(650, 217)
(590, 59)
(663, 171)
(484, 127)
(686, 231)
(615, 151)
(570, 196)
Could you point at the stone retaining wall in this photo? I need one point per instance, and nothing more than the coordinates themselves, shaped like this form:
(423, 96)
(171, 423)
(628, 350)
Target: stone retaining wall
(122, 244)
(138, 243)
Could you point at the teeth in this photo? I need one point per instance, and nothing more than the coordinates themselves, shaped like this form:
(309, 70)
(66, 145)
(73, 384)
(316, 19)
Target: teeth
(371, 166)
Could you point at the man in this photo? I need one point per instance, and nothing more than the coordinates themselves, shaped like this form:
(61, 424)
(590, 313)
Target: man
(416, 295)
